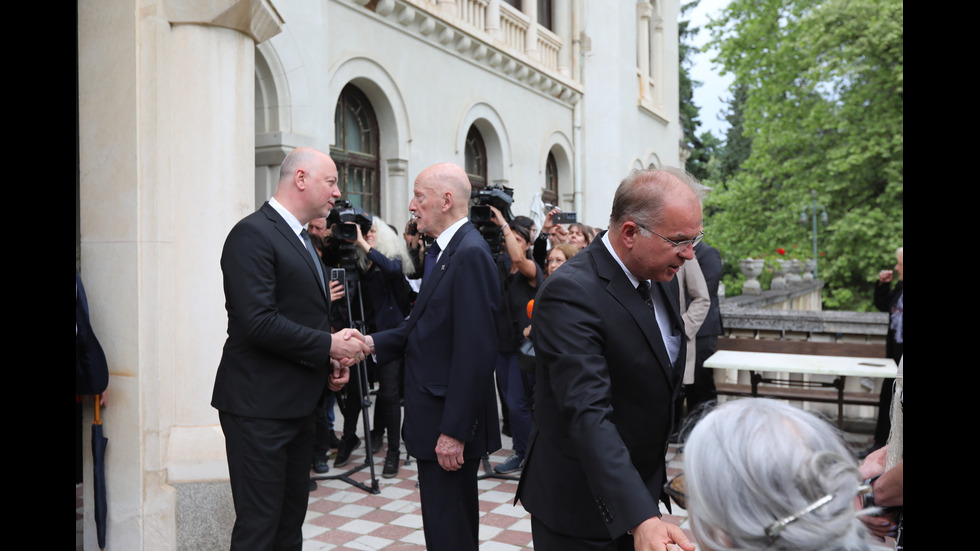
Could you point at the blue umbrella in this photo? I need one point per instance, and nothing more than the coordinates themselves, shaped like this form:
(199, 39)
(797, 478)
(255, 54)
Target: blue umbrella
(99, 443)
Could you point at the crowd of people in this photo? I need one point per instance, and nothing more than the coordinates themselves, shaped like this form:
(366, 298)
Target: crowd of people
(617, 324)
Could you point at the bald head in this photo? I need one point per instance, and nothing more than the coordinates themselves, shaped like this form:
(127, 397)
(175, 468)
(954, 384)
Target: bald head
(307, 184)
(441, 197)
(641, 196)
(653, 210)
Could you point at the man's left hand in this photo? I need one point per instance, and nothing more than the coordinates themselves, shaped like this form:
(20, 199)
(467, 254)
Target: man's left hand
(656, 534)
(450, 452)
(339, 375)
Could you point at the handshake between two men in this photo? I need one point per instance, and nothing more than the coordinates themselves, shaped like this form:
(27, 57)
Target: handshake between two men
(347, 348)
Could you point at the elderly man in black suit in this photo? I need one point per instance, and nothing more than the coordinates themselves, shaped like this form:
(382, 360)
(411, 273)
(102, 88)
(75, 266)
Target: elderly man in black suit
(279, 357)
(610, 359)
(450, 347)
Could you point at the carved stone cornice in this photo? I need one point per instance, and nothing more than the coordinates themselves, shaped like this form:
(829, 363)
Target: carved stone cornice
(454, 37)
(256, 18)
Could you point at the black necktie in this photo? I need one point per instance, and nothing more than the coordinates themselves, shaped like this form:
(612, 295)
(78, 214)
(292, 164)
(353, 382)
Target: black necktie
(644, 289)
(316, 257)
(430, 260)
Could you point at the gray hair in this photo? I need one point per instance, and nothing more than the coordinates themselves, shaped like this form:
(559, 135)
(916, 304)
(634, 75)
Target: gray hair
(752, 461)
(389, 244)
(640, 196)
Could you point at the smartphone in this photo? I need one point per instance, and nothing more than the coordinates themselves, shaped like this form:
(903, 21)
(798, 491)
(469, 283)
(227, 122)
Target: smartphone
(338, 274)
(563, 217)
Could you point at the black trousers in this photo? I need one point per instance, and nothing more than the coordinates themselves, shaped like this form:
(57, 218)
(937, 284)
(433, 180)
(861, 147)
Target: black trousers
(269, 467)
(450, 507)
(546, 539)
(388, 408)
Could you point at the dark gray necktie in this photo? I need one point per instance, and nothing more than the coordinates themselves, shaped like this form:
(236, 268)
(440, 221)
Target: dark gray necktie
(316, 257)
(644, 289)
(430, 260)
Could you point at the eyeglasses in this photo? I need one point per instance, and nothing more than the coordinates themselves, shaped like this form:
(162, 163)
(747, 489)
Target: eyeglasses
(678, 245)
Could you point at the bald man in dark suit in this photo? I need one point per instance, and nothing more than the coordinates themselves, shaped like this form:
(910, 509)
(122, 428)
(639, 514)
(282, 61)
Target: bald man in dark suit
(449, 343)
(609, 343)
(279, 357)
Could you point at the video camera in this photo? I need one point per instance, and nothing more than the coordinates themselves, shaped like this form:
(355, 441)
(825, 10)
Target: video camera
(500, 197)
(343, 220)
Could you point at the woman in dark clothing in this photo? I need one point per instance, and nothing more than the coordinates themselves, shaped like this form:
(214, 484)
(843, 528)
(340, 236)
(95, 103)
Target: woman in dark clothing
(383, 262)
(520, 279)
(891, 300)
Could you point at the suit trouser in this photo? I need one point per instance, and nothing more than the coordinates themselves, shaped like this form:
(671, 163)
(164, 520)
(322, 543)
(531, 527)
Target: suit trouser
(546, 539)
(269, 468)
(511, 380)
(450, 507)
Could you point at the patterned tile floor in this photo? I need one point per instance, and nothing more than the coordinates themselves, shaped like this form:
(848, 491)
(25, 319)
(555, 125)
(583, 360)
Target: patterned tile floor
(343, 517)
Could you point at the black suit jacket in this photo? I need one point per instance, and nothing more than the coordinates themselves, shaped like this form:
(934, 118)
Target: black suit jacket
(277, 356)
(604, 394)
(450, 348)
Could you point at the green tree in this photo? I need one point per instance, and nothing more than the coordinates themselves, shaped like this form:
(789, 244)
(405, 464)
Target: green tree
(701, 153)
(822, 110)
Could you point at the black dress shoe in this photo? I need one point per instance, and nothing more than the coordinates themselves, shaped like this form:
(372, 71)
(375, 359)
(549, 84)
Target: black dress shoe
(347, 445)
(312, 485)
(334, 441)
(391, 465)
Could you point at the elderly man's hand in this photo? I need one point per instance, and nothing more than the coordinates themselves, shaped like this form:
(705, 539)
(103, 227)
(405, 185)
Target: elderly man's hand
(449, 451)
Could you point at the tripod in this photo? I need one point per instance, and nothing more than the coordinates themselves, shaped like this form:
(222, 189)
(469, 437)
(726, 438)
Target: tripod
(363, 392)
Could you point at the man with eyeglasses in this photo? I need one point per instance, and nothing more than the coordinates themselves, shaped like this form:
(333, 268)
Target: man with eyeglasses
(610, 348)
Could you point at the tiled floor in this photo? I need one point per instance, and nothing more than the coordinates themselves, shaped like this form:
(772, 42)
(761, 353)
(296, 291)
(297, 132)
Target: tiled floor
(343, 517)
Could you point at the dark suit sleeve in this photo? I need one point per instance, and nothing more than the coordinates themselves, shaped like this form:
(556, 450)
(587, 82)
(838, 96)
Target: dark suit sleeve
(260, 274)
(571, 339)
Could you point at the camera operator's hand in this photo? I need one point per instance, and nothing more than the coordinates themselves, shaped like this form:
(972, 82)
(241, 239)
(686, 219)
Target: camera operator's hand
(361, 242)
(498, 218)
(548, 223)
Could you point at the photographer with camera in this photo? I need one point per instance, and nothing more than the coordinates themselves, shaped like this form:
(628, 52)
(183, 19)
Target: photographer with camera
(520, 280)
(383, 263)
(344, 223)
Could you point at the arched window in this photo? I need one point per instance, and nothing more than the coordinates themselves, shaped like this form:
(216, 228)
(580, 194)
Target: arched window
(476, 159)
(550, 192)
(356, 150)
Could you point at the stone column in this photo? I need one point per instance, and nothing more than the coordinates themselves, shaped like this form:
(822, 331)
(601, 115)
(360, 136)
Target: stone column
(563, 28)
(166, 159)
(530, 9)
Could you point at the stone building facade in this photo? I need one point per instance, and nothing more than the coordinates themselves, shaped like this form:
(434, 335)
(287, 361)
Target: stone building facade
(186, 109)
